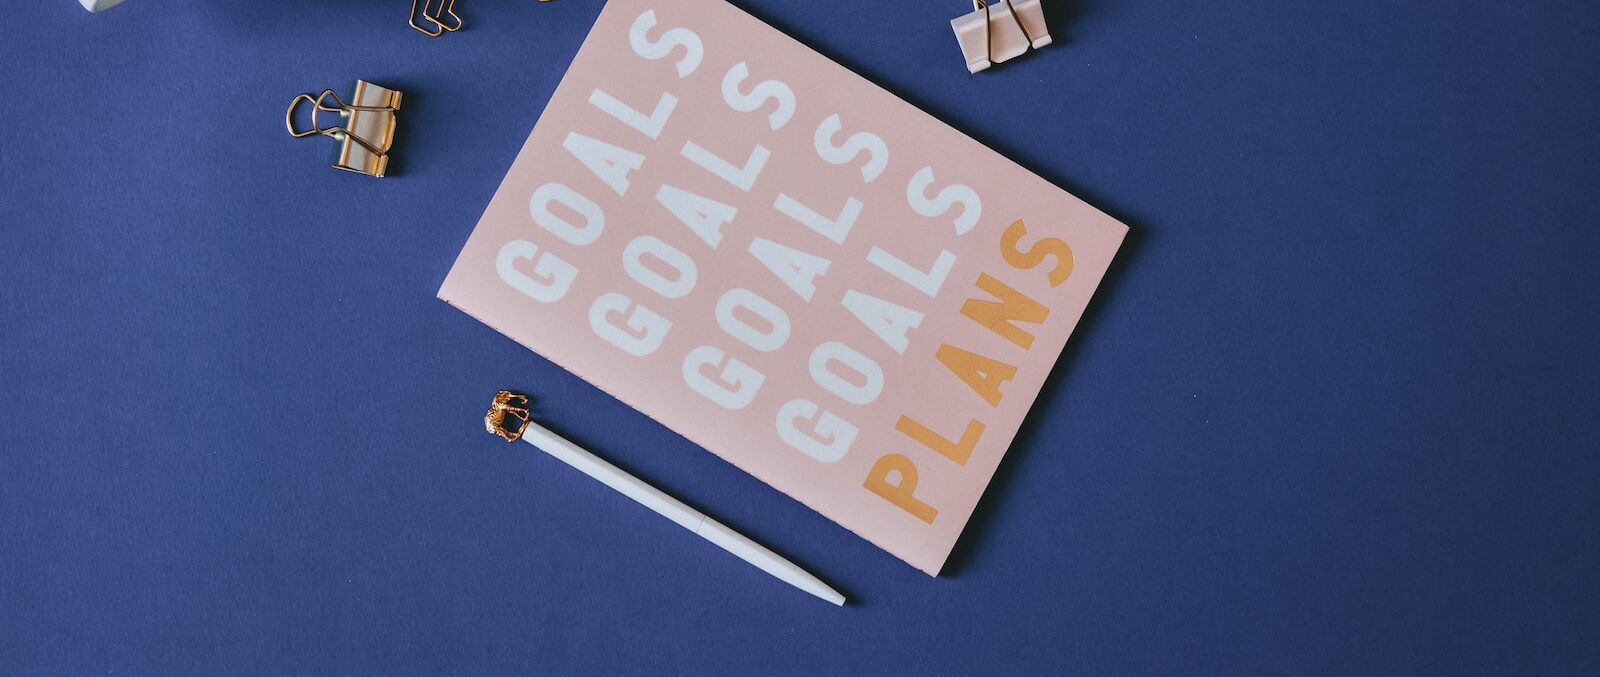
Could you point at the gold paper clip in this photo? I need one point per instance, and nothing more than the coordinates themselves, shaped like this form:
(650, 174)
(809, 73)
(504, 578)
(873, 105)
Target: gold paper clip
(366, 129)
(507, 404)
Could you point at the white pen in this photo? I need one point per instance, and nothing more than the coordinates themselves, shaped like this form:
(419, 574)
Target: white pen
(510, 405)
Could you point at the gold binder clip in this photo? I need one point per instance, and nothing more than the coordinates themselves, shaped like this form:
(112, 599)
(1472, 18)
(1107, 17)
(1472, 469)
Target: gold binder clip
(366, 129)
(436, 16)
(999, 30)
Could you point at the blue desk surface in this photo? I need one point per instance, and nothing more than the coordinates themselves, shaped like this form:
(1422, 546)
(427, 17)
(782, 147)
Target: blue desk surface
(1335, 410)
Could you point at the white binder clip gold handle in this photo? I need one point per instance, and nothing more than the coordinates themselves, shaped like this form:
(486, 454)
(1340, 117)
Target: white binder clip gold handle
(999, 30)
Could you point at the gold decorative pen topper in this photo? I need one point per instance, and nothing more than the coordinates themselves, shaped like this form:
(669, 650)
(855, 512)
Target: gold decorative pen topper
(511, 405)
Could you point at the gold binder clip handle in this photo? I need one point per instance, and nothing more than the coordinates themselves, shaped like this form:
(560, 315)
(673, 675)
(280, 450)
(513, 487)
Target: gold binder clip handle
(338, 133)
(435, 16)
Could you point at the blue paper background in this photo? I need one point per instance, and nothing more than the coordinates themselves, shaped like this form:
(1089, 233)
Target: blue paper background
(1335, 410)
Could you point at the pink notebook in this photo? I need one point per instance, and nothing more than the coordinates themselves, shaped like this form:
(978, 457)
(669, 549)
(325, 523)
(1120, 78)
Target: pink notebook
(787, 265)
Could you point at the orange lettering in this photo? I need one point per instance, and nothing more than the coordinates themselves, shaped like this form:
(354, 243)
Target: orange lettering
(999, 316)
(1036, 254)
(901, 492)
(984, 375)
(955, 451)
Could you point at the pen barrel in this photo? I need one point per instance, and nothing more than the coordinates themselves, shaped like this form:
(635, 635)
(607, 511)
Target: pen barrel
(673, 509)
(766, 560)
(614, 477)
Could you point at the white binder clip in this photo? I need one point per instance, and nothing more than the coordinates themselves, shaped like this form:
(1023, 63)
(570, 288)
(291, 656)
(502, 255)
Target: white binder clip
(999, 30)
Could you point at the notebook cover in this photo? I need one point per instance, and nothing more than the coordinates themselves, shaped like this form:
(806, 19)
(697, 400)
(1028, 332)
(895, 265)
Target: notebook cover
(787, 265)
